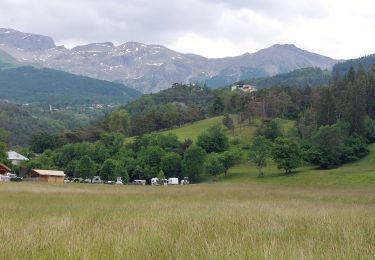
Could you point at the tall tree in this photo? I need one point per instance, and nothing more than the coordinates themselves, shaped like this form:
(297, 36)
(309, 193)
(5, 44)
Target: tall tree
(371, 93)
(119, 121)
(260, 150)
(86, 168)
(326, 108)
(192, 164)
(356, 105)
(214, 164)
(213, 140)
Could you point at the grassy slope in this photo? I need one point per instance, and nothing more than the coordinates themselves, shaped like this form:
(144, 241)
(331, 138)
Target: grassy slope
(193, 130)
(361, 173)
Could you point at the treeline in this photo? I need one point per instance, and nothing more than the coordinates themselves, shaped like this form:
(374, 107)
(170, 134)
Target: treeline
(334, 124)
(148, 156)
(313, 77)
(342, 68)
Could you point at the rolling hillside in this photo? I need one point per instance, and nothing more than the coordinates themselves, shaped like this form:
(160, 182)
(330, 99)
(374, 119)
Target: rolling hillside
(47, 86)
(360, 173)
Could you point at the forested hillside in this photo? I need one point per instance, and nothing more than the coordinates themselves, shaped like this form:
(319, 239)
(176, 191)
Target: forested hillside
(47, 86)
(342, 68)
(22, 125)
(313, 77)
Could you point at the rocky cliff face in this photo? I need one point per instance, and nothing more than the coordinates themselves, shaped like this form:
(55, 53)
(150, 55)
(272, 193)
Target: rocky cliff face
(150, 68)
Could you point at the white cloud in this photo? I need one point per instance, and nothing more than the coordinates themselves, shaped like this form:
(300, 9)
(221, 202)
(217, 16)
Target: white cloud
(213, 28)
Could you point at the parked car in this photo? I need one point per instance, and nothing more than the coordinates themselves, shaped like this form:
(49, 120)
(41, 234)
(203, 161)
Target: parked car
(14, 177)
(185, 181)
(139, 182)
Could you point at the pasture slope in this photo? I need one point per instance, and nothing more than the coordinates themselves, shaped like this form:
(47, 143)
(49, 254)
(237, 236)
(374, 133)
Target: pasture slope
(313, 214)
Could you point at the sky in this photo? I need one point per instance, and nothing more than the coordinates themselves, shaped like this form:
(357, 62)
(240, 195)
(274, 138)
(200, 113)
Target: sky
(340, 29)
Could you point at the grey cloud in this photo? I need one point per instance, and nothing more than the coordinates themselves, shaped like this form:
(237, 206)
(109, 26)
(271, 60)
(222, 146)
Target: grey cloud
(263, 22)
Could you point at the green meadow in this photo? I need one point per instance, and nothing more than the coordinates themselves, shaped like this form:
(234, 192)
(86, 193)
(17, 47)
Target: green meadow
(312, 214)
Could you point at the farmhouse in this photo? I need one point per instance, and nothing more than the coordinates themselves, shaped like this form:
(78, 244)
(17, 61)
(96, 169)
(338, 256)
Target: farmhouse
(245, 88)
(4, 169)
(16, 158)
(49, 175)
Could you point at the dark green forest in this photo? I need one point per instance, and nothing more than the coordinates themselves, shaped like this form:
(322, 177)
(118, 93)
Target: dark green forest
(47, 86)
(313, 77)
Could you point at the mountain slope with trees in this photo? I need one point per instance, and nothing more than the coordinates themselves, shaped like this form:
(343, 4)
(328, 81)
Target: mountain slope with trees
(29, 85)
(366, 62)
(313, 77)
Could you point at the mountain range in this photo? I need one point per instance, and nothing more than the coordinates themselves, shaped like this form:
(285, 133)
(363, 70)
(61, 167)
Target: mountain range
(149, 67)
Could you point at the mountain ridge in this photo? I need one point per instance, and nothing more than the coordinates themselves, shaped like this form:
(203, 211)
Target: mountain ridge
(151, 67)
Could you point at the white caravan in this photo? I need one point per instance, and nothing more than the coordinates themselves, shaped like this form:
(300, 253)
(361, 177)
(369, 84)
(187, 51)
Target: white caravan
(173, 181)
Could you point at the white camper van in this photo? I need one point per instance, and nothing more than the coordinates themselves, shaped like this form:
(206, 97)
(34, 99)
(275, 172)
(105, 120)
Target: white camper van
(173, 181)
(96, 179)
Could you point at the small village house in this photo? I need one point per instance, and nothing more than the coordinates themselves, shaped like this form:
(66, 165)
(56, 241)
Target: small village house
(16, 158)
(50, 176)
(4, 169)
(244, 88)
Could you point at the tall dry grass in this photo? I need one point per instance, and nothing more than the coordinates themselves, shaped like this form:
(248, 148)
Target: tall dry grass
(73, 221)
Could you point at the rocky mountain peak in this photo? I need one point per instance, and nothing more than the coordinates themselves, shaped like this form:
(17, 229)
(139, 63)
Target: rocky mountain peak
(25, 41)
(150, 67)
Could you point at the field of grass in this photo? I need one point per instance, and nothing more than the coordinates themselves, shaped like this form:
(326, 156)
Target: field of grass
(206, 221)
(313, 214)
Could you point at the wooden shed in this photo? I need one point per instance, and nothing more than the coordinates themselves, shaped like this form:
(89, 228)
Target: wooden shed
(49, 176)
(4, 169)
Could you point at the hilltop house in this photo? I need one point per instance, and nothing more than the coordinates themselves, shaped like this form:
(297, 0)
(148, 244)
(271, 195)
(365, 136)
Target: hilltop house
(50, 176)
(245, 88)
(16, 158)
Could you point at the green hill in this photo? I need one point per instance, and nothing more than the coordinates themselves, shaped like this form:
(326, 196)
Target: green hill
(243, 133)
(39, 85)
(359, 173)
(22, 124)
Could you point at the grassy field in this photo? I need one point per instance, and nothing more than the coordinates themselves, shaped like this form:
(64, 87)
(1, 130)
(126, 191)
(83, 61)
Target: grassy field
(313, 214)
(241, 221)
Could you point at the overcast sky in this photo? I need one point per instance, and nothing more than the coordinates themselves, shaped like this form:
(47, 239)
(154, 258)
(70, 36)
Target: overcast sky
(213, 28)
